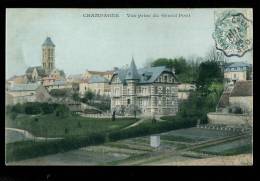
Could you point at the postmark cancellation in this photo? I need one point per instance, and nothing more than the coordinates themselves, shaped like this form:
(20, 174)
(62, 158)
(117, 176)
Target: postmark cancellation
(233, 32)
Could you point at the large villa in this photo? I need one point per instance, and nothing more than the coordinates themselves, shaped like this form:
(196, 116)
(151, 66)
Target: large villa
(151, 90)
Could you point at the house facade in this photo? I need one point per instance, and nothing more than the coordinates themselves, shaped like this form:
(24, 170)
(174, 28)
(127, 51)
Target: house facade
(97, 84)
(151, 90)
(59, 84)
(22, 93)
(21, 79)
(237, 71)
(242, 96)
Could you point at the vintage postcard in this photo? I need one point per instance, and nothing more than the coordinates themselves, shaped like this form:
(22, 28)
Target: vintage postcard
(129, 86)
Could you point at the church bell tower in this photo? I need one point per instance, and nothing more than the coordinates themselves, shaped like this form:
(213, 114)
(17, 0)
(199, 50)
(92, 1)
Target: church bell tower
(48, 59)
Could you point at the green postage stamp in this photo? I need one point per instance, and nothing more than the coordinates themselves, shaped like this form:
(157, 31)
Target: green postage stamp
(233, 33)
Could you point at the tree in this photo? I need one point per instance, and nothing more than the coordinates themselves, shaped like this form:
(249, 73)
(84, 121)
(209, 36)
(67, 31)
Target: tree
(209, 72)
(66, 131)
(62, 111)
(79, 125)
(75, 97)
(180, 65)
(59, 92)
(13, 115)
(114, 115)
(185, 71)
(215, 55)
(88, 96)
(62, 73)
(32, 108)
(18, 108)
(163, 62)
(47, 108)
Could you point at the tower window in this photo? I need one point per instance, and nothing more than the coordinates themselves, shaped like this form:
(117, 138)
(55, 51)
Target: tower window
(128, 101)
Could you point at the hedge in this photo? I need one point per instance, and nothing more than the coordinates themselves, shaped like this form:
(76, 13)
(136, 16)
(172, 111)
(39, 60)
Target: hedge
(35, 108)
(29, 149)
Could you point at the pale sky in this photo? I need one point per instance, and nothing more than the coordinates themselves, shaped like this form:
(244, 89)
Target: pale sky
(96, 43)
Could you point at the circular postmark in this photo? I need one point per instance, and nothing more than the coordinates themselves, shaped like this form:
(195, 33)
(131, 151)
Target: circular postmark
(233, 34)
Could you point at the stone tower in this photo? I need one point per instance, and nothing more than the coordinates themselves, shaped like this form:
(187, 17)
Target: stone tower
(48, 56)
(132, 78)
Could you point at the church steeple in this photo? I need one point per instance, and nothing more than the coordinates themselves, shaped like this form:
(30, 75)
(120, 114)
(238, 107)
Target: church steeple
(132, 73)
(48, 55)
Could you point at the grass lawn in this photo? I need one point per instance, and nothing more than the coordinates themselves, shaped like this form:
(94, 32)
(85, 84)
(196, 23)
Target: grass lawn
(49, 125)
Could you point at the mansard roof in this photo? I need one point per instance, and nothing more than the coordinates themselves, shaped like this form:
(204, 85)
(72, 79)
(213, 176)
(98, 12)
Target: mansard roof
(48, 42)
(146, 75)
(98, 79)
(25, 87)
(239, 64)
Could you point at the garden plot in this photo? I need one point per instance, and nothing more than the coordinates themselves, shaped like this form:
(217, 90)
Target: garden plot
(192, 135)
(76, 157)
(233, 146)
(132, 144)
(143, 143)
(111, 149)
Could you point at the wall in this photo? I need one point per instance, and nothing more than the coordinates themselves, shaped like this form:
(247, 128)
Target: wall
(240, 75)
(183, 95)
(243, 102)
(103, 88)
(228, 119)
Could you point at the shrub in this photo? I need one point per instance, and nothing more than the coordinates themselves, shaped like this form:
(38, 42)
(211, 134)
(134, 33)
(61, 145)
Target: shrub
(62, 111)
(79, 125)
(13, 115)
(237, 110)
(18, 108)
(59, 92)
(32, 108)
(47, 108)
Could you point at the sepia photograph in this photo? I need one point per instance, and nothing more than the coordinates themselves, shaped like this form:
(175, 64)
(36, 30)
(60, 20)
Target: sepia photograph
(129, 87)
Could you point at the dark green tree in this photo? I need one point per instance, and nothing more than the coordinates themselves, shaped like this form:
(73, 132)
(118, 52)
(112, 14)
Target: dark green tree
(209, 72)
(75, 97)
(88, 96)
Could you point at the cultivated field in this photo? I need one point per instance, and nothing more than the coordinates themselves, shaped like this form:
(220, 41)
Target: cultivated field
(137, 151)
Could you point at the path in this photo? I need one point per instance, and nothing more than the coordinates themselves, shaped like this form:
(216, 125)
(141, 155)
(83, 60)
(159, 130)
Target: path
(135, 124)
(158, 119)
(28, 135)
